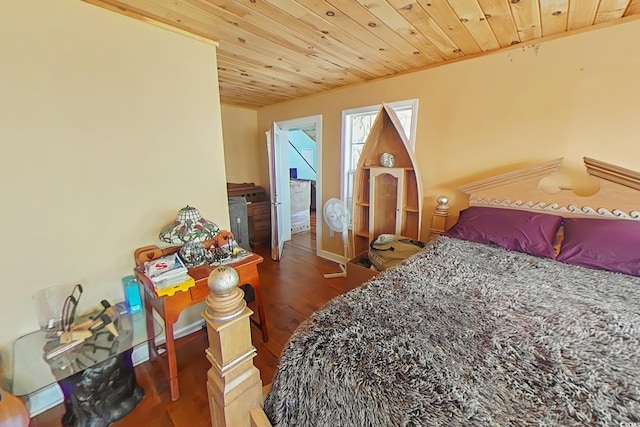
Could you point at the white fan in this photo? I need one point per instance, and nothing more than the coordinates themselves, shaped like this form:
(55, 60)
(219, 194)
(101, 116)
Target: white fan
(336, 215)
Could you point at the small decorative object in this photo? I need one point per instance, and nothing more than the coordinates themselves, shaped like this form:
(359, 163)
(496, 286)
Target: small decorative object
(226, 300)
(190, 229)
(387, 160)
(132, 295)
(443, 204)
(49, 302)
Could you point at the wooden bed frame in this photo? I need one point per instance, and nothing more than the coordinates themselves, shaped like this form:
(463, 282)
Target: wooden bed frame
(616, 196)
(234, 387)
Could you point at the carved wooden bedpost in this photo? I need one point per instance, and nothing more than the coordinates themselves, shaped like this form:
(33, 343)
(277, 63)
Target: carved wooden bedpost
(233, 382)
(439, 219)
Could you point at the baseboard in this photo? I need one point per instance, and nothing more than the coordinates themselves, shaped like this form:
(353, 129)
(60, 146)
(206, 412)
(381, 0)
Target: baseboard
(52, 396)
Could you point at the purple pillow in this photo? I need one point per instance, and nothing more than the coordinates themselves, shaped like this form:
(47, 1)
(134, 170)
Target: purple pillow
(522, 231)
(607, 244)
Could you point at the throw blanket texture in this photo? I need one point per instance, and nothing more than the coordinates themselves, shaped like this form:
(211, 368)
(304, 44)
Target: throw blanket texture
(467, 334)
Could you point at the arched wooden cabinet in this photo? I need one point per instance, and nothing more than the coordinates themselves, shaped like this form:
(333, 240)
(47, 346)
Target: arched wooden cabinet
(386, 198)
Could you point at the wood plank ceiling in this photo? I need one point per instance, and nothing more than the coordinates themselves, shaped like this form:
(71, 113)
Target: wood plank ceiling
(276, 50)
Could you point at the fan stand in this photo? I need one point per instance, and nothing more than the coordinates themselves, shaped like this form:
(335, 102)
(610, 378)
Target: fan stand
(343, 273)
(343, 265)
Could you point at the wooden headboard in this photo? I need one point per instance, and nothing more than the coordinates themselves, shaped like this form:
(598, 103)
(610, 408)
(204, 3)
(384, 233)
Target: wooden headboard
(616, 196)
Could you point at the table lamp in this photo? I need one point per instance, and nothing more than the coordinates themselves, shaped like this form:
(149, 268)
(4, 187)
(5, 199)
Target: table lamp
(190, 229)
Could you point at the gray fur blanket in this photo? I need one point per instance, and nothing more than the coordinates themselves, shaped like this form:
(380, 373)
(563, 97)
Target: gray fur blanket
(465, 334)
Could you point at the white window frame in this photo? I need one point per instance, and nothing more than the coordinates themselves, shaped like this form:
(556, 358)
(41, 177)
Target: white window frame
(411, 104)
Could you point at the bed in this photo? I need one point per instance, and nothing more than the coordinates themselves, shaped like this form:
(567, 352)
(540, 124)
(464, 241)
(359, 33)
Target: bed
(485, 326)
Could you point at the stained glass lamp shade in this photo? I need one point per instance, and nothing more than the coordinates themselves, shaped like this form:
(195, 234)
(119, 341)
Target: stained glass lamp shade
(190, 229)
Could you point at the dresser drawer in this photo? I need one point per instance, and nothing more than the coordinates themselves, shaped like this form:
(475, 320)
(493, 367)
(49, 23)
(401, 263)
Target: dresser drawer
(262, 235)
(261, 223)
(259, 209)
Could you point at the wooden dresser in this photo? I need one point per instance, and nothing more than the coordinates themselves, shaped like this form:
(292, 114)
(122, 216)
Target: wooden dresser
(258, 210)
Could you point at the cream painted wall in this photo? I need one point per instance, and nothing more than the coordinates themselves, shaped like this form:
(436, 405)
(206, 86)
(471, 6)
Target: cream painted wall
(240, 131)
(571, 97)
(108, 126)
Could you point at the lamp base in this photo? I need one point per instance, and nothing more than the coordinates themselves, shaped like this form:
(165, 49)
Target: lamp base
(193, 254)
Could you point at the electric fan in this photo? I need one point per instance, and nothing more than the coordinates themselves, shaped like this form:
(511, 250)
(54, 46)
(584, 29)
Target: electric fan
(336, 215)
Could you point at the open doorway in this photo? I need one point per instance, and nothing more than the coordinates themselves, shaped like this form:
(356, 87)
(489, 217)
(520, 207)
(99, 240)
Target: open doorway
(304, 160)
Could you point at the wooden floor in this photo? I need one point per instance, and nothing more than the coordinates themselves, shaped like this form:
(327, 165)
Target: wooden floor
(292, 289)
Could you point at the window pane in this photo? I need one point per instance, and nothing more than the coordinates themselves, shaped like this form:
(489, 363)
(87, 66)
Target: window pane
(361, 125)
(404, 116)
(356, 150)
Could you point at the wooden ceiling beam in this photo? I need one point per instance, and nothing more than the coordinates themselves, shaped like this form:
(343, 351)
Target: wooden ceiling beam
(500, 19)
(228, 64)
(265, 14)
(633, 8)
(231, 35)
(323, 16)
(363, 17)
(473, 18)
(582, 13)
(267, 29)
(554, 16)
(124, 9)
(261, 60)
(526, 14)
(609, 10)
(274, 50)
(394, 21)
(422, 22)
(441, 12)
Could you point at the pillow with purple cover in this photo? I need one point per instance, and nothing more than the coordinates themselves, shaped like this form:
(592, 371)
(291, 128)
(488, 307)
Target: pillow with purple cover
(605, 244)
(529, 232)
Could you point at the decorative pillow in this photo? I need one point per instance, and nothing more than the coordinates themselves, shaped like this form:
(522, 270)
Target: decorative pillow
(605, 244)
(529, 232)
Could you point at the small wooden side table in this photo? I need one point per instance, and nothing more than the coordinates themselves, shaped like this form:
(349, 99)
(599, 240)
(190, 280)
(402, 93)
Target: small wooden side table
(170, 307)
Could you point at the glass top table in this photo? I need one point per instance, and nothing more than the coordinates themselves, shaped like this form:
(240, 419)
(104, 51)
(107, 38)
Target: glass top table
(33, 371)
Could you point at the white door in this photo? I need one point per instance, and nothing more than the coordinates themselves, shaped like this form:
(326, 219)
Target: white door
(278, 153)
(311, 123)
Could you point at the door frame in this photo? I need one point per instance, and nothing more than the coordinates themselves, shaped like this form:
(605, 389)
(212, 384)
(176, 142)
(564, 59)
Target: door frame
(299, 123)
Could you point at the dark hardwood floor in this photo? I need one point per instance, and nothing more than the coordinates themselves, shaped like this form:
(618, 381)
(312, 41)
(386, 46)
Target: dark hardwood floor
(292, 289)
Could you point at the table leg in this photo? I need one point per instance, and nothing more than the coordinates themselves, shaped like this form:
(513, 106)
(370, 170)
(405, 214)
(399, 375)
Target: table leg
(169, 317)
(101, 394)
(151, 333)
(261, 315)
(171, 360)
